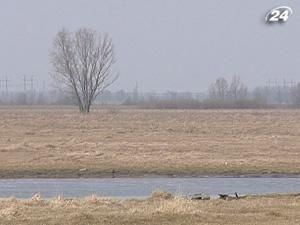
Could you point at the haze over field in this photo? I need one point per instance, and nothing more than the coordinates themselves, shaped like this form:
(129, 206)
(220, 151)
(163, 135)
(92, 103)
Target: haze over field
(162, 45)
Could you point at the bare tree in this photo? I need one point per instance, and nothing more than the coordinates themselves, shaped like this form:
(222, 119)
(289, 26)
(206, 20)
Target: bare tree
(83, 63)
(237, 89)
(219, 89)
(295, 92)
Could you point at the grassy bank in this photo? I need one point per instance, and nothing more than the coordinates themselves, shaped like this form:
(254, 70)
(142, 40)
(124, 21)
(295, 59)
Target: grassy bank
(59, 142)
(276, 209)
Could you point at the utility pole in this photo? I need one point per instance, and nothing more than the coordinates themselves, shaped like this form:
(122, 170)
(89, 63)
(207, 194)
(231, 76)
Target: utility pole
(284, 84)
(293, 83)
(5, 81)
(6, 86)
(25, 87)
(269, 84)
(25, 82)
(31, 83)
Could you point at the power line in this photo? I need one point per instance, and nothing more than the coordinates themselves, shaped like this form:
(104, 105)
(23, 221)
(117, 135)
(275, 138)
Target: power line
(277, 84)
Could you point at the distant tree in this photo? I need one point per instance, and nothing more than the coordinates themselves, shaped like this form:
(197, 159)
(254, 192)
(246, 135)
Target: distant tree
(237, 90)
(83, 63)
(219, 89)
(121, 96)
(41, 100)
(296, 95)
(172, 95)
(135, 93)
(106, 97)
(261, 94)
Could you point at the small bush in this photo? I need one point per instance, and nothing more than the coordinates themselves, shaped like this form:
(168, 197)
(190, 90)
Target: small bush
(161, 195)
(171, 104)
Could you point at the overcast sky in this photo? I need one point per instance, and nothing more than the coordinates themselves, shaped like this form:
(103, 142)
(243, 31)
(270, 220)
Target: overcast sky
(163, 45)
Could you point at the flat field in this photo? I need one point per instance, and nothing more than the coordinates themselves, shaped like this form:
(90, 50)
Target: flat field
(61, 142)
(271, 210)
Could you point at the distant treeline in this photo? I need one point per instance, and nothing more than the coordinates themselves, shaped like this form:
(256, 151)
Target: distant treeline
(222, 93)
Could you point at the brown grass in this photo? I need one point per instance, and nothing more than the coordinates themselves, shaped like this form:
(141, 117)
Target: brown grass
(60, 142)
(269, 210)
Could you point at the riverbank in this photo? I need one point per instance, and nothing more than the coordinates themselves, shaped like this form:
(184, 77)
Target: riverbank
(159, 209)
(41, 173)
(58, 142)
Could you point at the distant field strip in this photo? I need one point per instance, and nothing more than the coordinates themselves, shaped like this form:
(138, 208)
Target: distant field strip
(60, 142)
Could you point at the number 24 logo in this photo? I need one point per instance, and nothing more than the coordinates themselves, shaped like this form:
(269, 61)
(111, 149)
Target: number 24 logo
(279, 14)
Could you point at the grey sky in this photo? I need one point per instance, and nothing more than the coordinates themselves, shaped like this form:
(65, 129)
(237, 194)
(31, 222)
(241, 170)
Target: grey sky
(161, 44)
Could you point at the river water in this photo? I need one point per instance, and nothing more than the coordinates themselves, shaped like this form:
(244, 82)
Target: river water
(143, 187)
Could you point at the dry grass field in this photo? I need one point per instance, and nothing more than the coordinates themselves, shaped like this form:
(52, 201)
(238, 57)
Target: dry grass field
(271, 210)
(60, 142)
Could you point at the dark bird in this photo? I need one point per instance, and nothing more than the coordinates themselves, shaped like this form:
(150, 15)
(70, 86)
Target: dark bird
(223, 196)
(236, 195)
